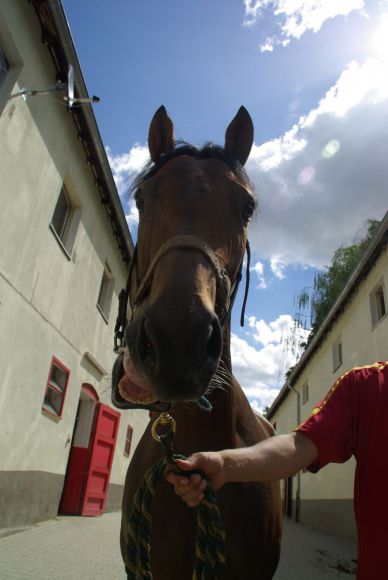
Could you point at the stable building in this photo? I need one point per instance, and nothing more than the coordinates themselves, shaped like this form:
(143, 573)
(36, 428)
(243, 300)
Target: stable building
(65, 250)
(355, 333)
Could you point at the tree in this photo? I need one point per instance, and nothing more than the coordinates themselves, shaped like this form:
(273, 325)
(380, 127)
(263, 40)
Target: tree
(329, 283)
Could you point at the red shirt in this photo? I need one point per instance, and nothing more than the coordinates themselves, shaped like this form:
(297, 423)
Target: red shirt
(353, 420)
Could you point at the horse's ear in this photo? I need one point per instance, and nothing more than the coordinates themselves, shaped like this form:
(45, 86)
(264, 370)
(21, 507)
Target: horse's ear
(239, 135)
(160, 135)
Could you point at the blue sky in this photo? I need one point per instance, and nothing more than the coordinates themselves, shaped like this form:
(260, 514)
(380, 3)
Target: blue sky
(313, 75)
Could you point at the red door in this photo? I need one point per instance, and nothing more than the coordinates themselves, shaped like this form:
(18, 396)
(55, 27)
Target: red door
(102, 447)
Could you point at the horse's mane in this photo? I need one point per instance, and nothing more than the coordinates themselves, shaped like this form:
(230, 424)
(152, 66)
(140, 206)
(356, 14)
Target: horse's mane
(208, 151)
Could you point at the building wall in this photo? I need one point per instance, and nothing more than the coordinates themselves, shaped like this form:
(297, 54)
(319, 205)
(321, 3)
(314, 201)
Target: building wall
(326, 498)
(48, 300)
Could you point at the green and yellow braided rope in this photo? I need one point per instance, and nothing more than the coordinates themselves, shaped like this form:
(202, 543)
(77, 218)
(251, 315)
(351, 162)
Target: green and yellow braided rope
(210, 544)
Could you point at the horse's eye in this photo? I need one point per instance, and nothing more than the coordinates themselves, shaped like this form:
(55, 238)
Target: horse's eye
(248, 210)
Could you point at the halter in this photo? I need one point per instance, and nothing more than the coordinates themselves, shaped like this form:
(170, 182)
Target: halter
(225, 296)
(226, 291)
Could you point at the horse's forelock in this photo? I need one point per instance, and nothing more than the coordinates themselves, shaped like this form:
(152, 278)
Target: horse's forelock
(208, 151)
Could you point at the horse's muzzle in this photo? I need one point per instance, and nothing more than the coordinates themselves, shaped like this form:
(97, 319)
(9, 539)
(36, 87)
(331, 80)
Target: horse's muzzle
(178, 361)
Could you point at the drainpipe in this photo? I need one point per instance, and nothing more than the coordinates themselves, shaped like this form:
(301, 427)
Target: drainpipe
(298, 420)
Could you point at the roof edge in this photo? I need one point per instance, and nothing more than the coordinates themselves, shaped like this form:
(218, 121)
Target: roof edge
(371, 254)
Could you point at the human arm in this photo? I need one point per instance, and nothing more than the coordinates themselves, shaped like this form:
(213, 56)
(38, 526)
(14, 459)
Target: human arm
(269, 460)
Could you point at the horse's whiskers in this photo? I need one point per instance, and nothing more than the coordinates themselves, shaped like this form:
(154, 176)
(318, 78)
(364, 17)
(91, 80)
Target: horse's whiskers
(221, 379)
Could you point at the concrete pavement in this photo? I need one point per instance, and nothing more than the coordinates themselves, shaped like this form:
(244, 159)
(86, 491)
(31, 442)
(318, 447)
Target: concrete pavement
(309, 554)
(74, 548)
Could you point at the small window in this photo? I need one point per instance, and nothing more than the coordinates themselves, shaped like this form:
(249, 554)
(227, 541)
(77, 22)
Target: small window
(106, 292)
(378, 304)
(4, 67)
(337, 354)
(56, 388)
(128, 441)
(11, 65)
(305, 393)
(65, 221)
(61, 216)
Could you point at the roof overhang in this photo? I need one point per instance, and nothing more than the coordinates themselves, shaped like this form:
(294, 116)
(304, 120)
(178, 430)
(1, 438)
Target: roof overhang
(57, 37)
(373, 251)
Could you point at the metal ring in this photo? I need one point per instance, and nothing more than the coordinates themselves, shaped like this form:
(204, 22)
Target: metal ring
(163, 419)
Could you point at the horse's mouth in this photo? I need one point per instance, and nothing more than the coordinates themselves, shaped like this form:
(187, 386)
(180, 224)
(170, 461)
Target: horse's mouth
(129, 385)
(133, 387)
(132, 393)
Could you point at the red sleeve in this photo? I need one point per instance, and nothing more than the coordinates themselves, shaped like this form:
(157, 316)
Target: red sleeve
(332, 426)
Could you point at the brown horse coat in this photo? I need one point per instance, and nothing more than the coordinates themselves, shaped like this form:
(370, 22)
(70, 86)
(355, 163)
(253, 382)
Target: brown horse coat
(179, 346)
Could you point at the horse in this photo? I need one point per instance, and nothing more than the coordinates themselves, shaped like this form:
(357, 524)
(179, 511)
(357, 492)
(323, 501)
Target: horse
(194, 207)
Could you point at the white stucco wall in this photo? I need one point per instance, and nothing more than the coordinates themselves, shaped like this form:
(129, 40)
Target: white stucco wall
(48, 301)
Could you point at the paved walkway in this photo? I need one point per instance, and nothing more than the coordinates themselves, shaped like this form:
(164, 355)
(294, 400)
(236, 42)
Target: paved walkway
(308, 554)
(73, 548)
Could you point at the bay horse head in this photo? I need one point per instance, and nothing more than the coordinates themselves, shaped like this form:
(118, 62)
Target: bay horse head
(194, 207)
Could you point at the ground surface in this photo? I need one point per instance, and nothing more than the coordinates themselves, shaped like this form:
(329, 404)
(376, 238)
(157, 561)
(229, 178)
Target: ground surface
(72, 548)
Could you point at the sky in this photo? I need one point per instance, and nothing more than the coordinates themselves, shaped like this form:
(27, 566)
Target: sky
(313, 75)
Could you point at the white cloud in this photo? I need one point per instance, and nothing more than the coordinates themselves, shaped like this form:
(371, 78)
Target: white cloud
(125, 166)
(268, 46)
(272, 153)
(295, 17)
(259, 269)
(319, 182)
(277, 267)
(357, 84)
(133, 216)
(260, 371)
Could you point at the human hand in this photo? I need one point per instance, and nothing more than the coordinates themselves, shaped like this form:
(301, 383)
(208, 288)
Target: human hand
(191, 487)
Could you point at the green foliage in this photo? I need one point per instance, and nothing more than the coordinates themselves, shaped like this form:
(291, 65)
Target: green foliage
(265, 411)
(329, 283)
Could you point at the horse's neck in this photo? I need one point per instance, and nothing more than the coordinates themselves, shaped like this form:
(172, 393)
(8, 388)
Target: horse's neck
(248, 426)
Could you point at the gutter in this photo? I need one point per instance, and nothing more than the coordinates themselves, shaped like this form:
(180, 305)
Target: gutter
(57, 37)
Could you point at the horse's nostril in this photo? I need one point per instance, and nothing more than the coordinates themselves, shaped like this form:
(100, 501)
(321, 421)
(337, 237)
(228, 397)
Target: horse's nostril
(214, 343)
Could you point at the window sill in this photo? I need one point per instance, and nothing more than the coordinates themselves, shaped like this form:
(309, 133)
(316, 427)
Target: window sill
(100, 310)
(50, 415)
(337, 367)
(61, 244)
(376, 324)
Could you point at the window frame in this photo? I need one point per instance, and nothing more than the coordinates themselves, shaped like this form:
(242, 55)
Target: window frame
(105, 293)
(64, 226)
(55, 362)
(3, 72)
(377, 315)
(66, 237)
(337, 353)
(15, 65)
(305, 393)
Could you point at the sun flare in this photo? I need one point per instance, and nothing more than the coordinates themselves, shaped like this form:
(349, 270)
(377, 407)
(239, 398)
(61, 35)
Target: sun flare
(379, 40)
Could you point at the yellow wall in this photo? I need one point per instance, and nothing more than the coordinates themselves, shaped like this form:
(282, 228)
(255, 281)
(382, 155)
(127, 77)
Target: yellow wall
(361, 344)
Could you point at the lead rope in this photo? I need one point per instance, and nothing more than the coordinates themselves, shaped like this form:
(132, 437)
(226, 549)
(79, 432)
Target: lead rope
(247, 279)
(210, 543)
